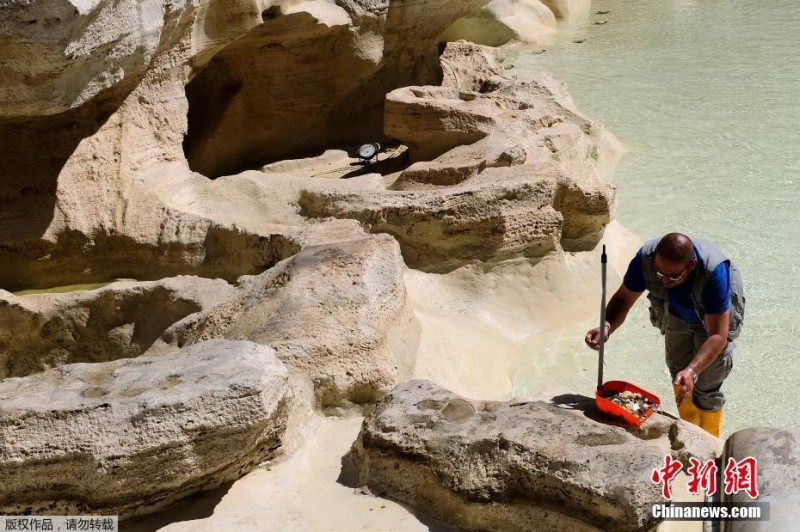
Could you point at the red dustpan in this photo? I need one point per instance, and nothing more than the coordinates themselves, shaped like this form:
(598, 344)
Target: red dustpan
(604, 392)
(607, 406)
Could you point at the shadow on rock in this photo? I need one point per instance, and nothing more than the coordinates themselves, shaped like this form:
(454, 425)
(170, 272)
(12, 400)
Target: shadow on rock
(588, 406)
(199, 506)
(33, 153)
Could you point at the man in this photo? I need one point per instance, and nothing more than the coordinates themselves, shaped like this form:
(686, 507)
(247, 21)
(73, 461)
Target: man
(697, 301)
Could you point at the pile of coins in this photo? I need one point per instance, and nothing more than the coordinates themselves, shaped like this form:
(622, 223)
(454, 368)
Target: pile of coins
(635, 403)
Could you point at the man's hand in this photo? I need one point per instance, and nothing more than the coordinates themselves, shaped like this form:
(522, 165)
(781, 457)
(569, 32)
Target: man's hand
(593, 336)
(685, 380)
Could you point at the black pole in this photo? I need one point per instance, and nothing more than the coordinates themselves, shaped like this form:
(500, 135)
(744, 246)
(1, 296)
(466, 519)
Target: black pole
(603, 261)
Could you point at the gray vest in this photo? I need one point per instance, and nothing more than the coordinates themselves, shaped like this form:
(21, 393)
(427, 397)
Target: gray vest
(709, 257)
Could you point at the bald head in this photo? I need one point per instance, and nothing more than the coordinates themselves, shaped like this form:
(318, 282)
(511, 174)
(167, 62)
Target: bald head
(675, 248)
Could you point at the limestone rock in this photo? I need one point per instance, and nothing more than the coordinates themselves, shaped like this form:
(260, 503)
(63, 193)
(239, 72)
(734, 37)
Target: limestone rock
(120, 86)
(502, 21)
(530, 21)
(505, 168)
(116, 197)
(326, 311)
(502, 466)
(284, 55)
(485, 219)
(533, 108)
(122, 320)
(130, 436)
(128, 105)
(75, 51)
(469, 67)
(92, 93)
(777, 475)
(160, 241)
(433, 120)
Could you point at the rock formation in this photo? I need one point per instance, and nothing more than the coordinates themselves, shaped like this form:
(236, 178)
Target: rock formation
(532, 21)
(115, 116)
(115, 197)
(506, 168)
(115, 187)
(122, 320)
(772, 479)
(273, 77)
(130, 436)
(485, 465)
(326, 311)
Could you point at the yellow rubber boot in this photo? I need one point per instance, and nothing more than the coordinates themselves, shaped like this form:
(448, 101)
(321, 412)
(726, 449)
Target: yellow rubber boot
(687, 410)
(711, 422)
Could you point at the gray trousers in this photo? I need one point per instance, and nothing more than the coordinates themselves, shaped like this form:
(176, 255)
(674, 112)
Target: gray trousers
(682, 339)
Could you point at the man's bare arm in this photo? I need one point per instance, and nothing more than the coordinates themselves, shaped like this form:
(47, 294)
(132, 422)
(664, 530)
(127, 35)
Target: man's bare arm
(619, 305)
(717, 328)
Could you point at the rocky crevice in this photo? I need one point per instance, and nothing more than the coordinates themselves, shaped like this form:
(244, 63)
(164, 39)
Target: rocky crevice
(74, 258)
(122, 320)
(310, 80)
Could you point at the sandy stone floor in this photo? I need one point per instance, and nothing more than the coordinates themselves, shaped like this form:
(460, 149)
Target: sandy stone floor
(301, 493)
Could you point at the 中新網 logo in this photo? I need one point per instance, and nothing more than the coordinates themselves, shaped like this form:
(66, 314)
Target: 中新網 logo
(738, 476)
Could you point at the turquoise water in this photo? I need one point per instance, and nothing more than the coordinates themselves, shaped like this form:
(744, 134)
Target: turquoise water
(706, 95)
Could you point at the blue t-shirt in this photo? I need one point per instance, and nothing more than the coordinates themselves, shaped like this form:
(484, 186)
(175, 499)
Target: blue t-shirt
(716, 295)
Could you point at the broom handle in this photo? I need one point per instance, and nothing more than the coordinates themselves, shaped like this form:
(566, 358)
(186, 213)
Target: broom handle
(603, 260)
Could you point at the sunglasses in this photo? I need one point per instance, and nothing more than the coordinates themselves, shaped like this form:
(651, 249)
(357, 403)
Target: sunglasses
(673, 278)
